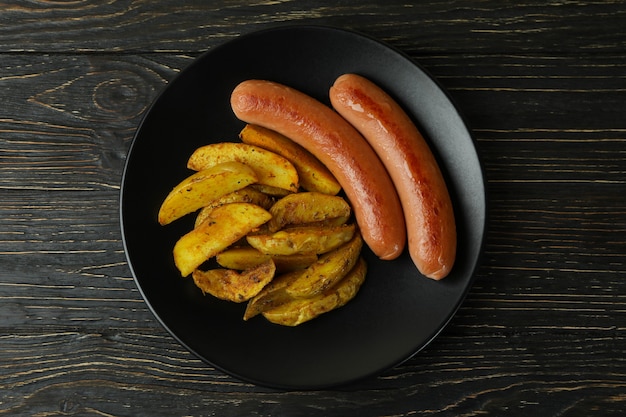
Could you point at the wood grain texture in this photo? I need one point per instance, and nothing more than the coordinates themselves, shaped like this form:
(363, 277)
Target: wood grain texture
(543, 330)
(458, 27)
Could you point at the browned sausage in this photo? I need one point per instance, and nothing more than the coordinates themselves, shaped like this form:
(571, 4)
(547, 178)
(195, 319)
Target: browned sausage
(337, 145)
(425, 199)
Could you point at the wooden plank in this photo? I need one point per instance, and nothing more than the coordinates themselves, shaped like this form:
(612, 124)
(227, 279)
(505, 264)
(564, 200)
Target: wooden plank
(174, 27)
(109, 373)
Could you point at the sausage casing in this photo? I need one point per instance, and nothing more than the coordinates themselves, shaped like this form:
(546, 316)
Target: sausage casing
(427, 206)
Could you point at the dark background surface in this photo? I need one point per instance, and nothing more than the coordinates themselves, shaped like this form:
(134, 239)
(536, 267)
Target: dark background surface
(543, 87)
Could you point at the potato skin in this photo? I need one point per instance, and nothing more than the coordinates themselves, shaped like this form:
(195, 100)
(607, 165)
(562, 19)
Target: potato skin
(301, 310)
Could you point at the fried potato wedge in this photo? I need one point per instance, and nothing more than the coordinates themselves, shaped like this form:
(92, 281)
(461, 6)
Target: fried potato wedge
(224, 226)
(230, 285)
(302, 240)
(204, 186)
(314, 176)
(298, 311)
(271, 296)
(328, 270)
(298, 261)
(245, 195)
(271, 191)
(271, 168)
(241, 258)
(308, 207)
(247, 257)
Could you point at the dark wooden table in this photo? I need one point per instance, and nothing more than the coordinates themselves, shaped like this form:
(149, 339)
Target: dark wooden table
(543, 330)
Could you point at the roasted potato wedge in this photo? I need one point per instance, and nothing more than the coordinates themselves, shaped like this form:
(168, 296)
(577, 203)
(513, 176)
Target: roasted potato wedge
(247, 257)
(245, 195)
(288, 263)
(224, 226)
(309, 207)
(241, 258)
(272, 191)
(230, 285)
(302, 240)
(328, 270)
(272, 169)
(271, 296)
(314, 176)
(298, 311)
(199, 189)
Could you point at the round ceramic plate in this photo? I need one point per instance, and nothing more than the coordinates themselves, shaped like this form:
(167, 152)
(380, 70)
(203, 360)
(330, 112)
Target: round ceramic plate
(397, 311)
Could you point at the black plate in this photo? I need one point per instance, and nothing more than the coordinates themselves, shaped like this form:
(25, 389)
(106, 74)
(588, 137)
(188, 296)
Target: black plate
(396, 313)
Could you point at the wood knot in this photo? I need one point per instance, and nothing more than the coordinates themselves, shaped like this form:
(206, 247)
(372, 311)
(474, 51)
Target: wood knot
(123, 96)
(69, 406)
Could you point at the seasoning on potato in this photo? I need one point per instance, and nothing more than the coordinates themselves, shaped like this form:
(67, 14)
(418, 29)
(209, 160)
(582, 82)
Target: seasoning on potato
(203, 187)
(309, 207)
(224, 226)
(235, 286)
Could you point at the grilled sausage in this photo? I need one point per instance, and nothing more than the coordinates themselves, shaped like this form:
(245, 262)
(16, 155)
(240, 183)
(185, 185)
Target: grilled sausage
(428, 210)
